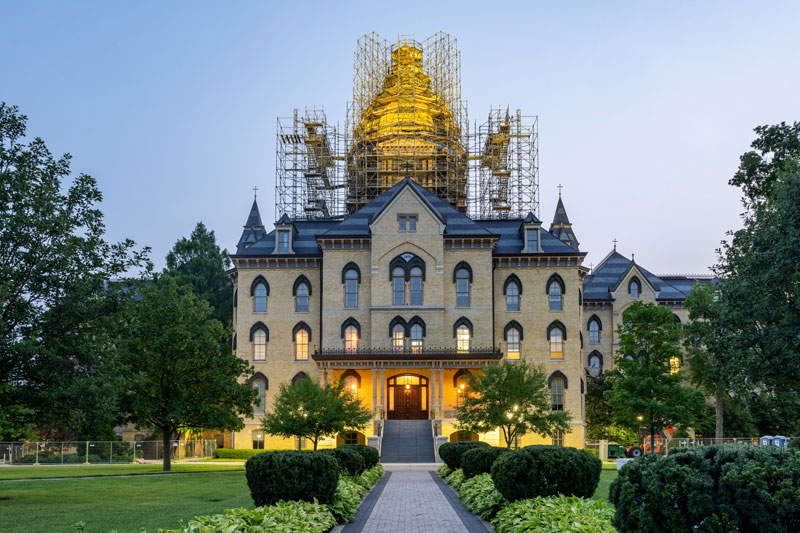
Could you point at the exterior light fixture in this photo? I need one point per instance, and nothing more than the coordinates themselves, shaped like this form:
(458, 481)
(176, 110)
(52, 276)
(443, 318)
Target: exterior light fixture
(509, 415)
(408, 387)
(640, 418)
(516, 407)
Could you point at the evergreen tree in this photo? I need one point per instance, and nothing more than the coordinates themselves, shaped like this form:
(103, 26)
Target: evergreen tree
(648, 392)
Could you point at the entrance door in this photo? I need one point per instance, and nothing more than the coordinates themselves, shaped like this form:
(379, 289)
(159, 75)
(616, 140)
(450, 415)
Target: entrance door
(408, 397)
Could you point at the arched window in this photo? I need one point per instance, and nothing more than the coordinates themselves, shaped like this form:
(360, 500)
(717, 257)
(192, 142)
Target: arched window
(462, 338)
(260, 345)
(350, 339)
(302, 292)
(301, 335)
(416, 339)
(352, 382)
(462, 287)
(351, 280)
(555, 291)
(674, 364)
(556, 336)
(398, 337)
(259, 383)
(595, 364)
(298, 377)
(512, 296)
(398, 286)
(416, 285)
(634, 287)
(260, 298)
(557, 393)
(512, 343)
(460, 383)
(594, 330)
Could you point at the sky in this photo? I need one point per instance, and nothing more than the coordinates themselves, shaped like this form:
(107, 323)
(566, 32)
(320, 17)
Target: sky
(644, 107)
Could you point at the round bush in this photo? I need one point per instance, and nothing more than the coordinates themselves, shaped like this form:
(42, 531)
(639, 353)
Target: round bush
(710, 489)
(292, 475)
(350, 461)
(546, 471)
(480, 460)
(368, 453)
(451, 452)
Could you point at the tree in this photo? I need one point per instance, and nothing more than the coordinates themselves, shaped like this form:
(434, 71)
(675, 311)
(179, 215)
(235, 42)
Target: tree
(53, 261)
(179, 379)
(648, 390)
(599, 415)
(512, 396)
(199, 262)
(310, 410)
(714, 364)
(760, 266)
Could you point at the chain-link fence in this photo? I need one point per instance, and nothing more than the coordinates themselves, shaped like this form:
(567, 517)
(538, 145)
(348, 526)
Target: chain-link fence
(101, 452)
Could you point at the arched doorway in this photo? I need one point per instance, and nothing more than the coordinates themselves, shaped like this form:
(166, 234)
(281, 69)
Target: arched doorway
(408, 397)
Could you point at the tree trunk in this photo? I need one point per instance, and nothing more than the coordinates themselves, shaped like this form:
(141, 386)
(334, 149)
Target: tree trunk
(315, 444)
(166, 433)
(720, 412)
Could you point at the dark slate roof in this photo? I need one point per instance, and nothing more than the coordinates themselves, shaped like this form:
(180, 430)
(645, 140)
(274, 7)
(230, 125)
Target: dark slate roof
(560, 217)
(561, 226)
(253, 229)
(305, 233)
(606, 277)
(532, 218)
(456, 223)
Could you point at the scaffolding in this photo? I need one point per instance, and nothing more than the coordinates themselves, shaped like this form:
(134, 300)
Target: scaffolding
(406, 118)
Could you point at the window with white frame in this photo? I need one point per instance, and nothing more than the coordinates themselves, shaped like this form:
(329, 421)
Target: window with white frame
(301, 300)
(556, 343)
(594, 331)
(556, 296)
(557, 393)
(351, 288)
(260, 298)
(259, 345)
(512, 296)
(463, 338)
(512, 343)
(283, 240)
(301, 345)
(398, 286)
(416, 285)
(416, 339)
(351, 339)
(462, 287)
(533, 239)
(259, 407)
(398, 337)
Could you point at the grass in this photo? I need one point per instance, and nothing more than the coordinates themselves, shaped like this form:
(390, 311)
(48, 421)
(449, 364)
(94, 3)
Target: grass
(125, 504)
(38, 472)
(606, 477)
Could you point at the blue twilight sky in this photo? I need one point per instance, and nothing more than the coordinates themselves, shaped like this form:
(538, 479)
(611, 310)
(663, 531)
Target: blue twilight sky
(644, 109)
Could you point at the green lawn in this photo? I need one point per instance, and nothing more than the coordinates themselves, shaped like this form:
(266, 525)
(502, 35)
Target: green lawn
(606, 477)
(126, 504)
(37, 472)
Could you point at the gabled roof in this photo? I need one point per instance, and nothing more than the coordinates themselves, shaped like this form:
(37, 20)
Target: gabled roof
(607, 276)
(531, 218)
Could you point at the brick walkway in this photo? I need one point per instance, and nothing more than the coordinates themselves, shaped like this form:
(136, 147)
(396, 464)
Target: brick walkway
(412, 499)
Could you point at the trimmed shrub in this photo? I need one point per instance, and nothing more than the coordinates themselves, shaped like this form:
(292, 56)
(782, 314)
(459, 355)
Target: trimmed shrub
(451, 452)
(546, 471)
(455, 479)
(710, 489)
(555, 514)
(350, 461)
(368, 453)
(292, 475)
(231, 453)
(444, 471)
(289, 517)
(480, 460)
(480, 497)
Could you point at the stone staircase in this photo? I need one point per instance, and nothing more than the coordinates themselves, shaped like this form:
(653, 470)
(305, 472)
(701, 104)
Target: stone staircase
(407, 441)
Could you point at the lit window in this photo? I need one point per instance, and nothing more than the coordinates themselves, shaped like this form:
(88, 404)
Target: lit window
(512, 343)
(301, 300)
(301, 345)
(558, 438)
(557, 394)
(674, 364)
(398, 286)
(416, 286)
(533, 240)
(398, 337)
(555, 296)
(258, 440)
(260, 298)
(351, 385)
(594, 332)
(351, 288)
(350, 339)
(260, 345)
(259, 407)
(416, 339)
(283, 241)
(556, 343)
(462, 338)
(462, 287)
(512, 296)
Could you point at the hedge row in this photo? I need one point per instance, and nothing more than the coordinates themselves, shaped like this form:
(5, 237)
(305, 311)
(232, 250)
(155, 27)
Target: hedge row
(710, 489)
(451, 452)
(232, 453)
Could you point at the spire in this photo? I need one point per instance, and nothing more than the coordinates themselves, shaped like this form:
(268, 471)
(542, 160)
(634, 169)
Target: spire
(253, 229)
(254, 219)
(561, 227)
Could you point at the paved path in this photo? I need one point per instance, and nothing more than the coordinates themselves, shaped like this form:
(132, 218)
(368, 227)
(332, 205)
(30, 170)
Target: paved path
(410, 499)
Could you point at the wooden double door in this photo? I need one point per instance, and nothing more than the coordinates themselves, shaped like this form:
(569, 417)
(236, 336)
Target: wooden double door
(408, 397)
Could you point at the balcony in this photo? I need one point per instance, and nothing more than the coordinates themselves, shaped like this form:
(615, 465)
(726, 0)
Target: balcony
(331, 355)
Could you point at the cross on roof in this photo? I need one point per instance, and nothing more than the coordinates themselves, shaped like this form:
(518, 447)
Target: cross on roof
(615, 244)
(255, 191)
(559, 189)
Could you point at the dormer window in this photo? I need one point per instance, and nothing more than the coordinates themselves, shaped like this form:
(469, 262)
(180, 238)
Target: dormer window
(532, 239)
(407, 222)
(284, 235)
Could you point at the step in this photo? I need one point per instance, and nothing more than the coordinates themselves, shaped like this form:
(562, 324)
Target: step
(407, 441)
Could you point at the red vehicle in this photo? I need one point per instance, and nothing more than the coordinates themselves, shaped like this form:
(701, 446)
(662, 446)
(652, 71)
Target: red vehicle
(646, 447)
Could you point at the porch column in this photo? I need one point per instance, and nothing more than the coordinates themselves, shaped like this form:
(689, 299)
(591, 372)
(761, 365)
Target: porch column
(434, 397)
(374, 389)
(323, 376)
(441, 390)
(382, 388)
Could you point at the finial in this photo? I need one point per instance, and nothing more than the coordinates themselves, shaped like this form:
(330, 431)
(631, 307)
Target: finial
(633, 258)
(615, 244)
(559, 190)
(591, 266)
(255, 192)
(407, 174)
